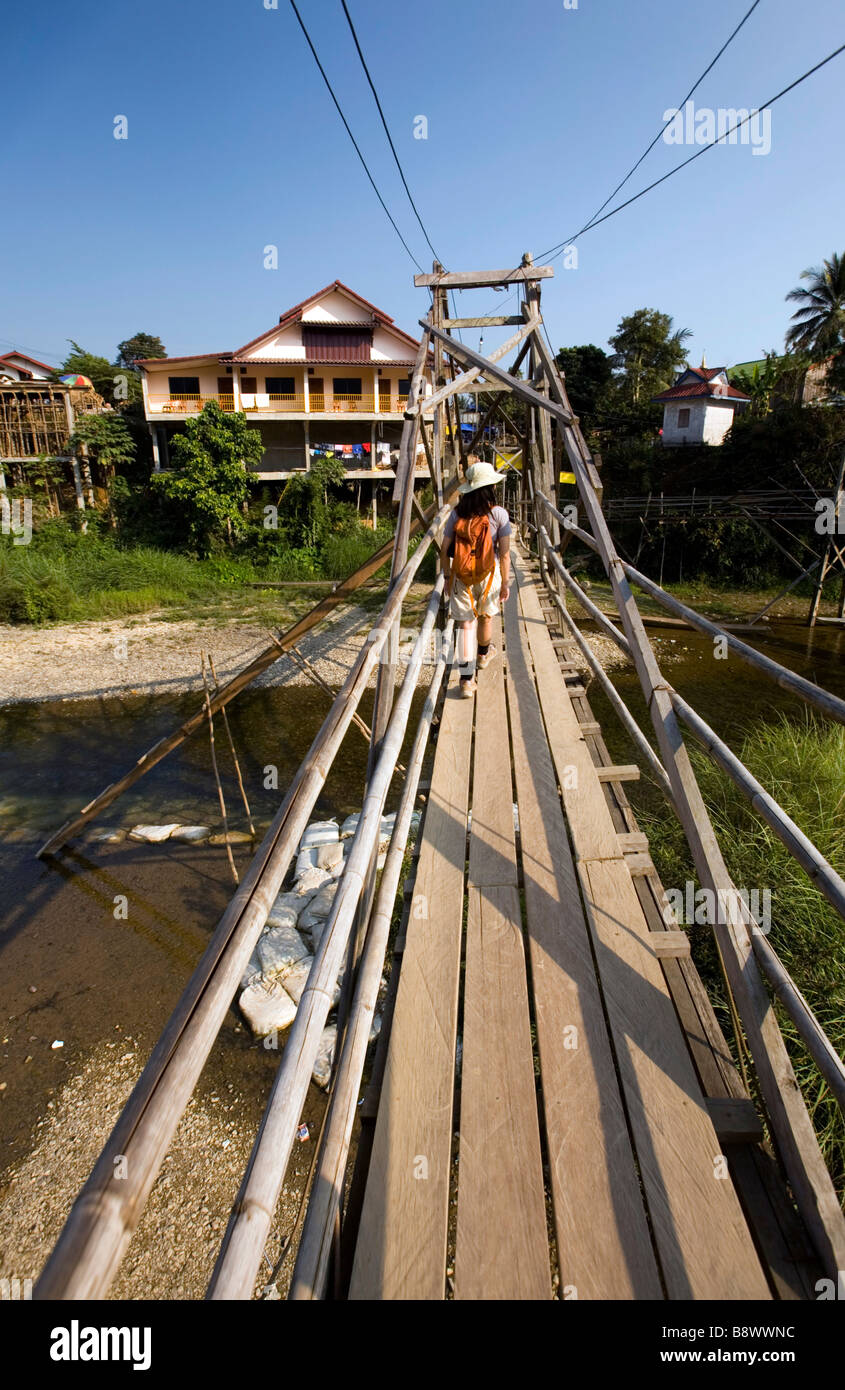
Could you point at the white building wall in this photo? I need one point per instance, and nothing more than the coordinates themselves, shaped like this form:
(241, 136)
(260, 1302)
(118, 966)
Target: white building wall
(708, 422)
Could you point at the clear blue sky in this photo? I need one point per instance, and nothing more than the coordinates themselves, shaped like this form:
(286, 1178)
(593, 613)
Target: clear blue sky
(535, 113)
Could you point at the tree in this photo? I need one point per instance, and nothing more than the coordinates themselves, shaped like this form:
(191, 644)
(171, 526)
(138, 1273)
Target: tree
(209, 478)
(589, 373)
(97, 369)
(140, 345)
(818, 325)
(648, 352)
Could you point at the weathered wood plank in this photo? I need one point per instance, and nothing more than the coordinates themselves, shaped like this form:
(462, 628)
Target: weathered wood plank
(603, 1242)
(502, 1248)
(670, 944)
(622, 772)
(480, 279)
(687, 1191)
(401, 1248)
(491, 321)
(735, 1121)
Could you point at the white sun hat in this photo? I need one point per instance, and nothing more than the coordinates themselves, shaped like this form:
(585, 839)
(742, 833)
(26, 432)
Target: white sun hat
(480, 475)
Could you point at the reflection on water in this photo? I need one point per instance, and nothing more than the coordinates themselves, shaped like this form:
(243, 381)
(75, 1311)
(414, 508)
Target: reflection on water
(54, 757)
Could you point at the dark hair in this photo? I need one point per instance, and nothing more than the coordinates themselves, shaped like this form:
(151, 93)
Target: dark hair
(476, 503)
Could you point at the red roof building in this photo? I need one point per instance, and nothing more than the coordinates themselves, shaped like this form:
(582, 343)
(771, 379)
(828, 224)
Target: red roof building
(699, 408)
(332, 375)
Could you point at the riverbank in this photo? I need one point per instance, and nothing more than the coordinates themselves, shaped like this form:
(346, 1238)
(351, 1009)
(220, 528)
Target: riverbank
(156, 655)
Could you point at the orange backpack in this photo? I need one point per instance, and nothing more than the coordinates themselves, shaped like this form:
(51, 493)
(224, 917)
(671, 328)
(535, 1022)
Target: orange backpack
(474, 556)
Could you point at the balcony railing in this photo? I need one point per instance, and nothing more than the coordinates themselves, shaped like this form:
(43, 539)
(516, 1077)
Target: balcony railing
(261, 404)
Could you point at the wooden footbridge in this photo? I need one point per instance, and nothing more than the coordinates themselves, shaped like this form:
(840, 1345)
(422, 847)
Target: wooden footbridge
(552, 1109)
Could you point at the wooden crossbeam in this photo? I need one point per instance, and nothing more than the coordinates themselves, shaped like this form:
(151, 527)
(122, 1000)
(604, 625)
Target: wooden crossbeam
(492, 321)
(623, 772)
(481, 279)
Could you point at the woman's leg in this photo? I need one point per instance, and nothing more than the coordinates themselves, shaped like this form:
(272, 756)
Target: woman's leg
(466, 649)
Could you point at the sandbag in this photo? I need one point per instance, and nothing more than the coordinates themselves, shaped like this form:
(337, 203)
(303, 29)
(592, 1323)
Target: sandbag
(285, 910)
(322, 1072)
(252, 971)
(320, 832)
(330, 857)
(279, 949)
(153, 834)
(309, 882)
(267, 1006)
(319, 907)
(350, 825)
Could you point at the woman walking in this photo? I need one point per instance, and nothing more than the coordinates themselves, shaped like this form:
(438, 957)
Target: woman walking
(475, 558)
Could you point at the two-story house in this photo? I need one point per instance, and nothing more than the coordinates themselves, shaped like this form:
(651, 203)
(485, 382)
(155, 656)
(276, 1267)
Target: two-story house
(330, 378)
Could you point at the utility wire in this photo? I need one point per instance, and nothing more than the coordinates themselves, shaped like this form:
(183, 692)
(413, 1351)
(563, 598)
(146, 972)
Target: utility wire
(351, 136)
(647, 151)
(392, 146)
(720, 140)
(387, 130)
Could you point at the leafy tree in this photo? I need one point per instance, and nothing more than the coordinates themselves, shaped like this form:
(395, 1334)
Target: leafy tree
(305, 513)
(107, 438)
(648, 352)
(818, 325)
(589, 373)
(140, 345)
(97, 369)
(211, 460)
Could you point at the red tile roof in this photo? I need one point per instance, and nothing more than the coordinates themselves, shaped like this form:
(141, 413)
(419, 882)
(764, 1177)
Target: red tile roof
(25, 357)
(705, 386)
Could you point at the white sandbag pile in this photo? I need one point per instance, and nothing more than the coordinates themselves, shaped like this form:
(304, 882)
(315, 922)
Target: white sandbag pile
(277, 974)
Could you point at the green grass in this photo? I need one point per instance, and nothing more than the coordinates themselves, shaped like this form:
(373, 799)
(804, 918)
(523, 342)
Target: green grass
(803, 766)
(63, 576)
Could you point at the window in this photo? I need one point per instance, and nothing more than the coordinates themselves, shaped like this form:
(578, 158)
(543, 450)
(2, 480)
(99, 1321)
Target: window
(280, 385)
(404, 388)
(683, 418)
(184, 385)
(347, 386)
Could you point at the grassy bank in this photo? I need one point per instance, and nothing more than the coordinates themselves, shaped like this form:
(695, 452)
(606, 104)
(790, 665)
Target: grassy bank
(803, 766)
(63, 576)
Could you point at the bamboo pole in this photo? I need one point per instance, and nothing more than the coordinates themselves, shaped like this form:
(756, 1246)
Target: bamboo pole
(220, 795)
(819, 870)
(259, 664)
(791, 1123)
(252, 1215)
(232, 750)
(625, 715)
(311, 1271)
(106, 1212)
(788, 680)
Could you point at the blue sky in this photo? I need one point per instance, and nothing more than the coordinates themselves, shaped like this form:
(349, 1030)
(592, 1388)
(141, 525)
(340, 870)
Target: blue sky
(534, 115)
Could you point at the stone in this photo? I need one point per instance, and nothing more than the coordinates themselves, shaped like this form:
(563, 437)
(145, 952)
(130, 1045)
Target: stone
(322, 1072)
(319, 907)
(153, 834)
(320, 832)
(279, 949)
(108, 837)
(191, 834)
(267, 1006)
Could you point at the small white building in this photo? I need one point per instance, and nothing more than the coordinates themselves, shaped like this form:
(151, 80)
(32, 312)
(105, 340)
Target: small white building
(18, 366)
(699, 408)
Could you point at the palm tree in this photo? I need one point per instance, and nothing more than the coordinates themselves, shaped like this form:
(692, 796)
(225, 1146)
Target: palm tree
(818, 326)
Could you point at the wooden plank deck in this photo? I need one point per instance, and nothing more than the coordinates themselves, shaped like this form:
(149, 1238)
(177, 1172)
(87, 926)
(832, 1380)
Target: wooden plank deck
(401, 1248)
(502, 1248)
(615, 1133)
